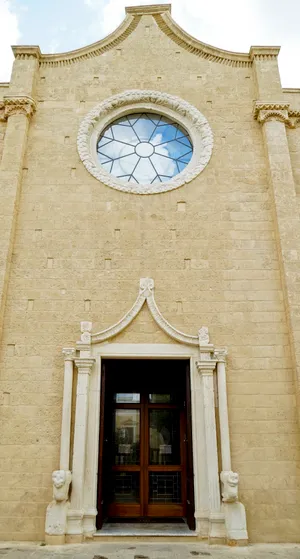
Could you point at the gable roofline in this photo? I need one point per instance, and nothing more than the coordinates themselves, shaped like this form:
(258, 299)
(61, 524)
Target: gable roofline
(162, 15)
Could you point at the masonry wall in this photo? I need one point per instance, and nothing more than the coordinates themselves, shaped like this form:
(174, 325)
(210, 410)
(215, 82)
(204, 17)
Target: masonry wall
(81, 247)
(3, 91)
(293, 97)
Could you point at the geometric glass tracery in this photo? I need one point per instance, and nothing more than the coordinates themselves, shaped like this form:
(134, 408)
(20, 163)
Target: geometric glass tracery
(144, 148)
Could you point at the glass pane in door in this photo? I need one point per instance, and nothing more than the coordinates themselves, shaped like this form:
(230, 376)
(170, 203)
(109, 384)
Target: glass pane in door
(164, 487)
(125, 487)
(164, 436)
(126, 437)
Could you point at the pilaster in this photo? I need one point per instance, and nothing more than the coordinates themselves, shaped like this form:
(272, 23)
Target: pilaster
(18, 108)
(235, 515)
(76, 512)
(69, 354)
(206, 369)
(272, 113)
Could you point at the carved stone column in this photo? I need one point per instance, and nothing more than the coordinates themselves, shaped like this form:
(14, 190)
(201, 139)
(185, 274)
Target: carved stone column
(273, 112)
(235, 516)
(17, 111)
(76, 512)
(274, 117)
(69, 354)
(216, 517)
(220, 355)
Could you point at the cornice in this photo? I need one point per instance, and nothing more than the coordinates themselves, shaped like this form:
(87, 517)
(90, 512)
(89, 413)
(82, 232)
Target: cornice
(291, 90)
(26, 51)
(151, 9)
(162, 15)
(263, 53)
(18, 104)
(96, 49)
(189, 43)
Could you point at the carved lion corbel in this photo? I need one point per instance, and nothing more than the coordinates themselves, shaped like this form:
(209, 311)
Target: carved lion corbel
(230, 481)
(61, 480)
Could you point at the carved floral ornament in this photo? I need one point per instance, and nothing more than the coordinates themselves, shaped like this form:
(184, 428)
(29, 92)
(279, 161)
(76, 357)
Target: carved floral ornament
(263, 112)
(137, 101)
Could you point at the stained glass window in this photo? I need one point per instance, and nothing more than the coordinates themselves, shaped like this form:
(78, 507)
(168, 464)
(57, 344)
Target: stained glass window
(144, 148)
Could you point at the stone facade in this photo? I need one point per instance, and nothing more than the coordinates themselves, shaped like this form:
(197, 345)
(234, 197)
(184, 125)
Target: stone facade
(223, 250)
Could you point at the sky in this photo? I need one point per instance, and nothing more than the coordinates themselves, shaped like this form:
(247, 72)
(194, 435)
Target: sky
(62, 25)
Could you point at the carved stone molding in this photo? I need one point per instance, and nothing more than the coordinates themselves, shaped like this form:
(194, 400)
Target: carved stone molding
(206, 368)
(146, 295)
(26, 52)
(129, 24)
(169, 27)
(84, 365)
(263, 112)
(137, 101)
(68, 353)
(220, 355)
(18, 105)
(2, 117)
(264, 53)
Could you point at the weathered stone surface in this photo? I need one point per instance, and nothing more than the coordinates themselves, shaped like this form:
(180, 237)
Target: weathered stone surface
(223, 250)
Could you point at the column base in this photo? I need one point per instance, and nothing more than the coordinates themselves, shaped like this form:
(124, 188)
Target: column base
(51, 539)
(74, 524)
(238, 543)
(74, 538)
(217, 533)
(89, 522)
(235, 523)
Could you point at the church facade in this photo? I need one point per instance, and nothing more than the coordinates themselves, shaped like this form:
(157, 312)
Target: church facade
(149, 291)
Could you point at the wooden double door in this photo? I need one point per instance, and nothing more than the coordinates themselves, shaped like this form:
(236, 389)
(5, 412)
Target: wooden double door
(145, 458)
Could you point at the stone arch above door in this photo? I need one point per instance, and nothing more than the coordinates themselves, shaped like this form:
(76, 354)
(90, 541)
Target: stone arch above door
(145, 296)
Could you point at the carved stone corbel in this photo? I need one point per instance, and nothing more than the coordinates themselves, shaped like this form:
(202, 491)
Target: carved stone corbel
(230, 481)
(56, 515)
(22, 104)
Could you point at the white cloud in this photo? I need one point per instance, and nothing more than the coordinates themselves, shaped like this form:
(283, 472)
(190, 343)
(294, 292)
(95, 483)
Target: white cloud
(9, 35)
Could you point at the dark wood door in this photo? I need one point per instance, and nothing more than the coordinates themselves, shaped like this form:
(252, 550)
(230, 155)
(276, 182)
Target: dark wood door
(146, 432)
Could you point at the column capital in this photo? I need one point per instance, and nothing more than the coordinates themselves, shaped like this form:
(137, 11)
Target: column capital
(264, 111)
(69, 353)
(206, 368)
(263, 53)
(25, 52)
(84, 364)
(220, 355)
(18, 104)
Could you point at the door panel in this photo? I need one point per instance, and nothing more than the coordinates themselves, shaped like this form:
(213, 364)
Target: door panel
(101, 465)
(190, 500)
(145, 430)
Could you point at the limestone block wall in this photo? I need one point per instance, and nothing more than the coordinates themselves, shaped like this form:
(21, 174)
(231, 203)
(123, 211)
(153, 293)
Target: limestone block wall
(3, 91)
(81, 247)
(292, 96)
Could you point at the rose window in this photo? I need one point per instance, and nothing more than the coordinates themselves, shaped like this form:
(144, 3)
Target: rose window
(144, 148)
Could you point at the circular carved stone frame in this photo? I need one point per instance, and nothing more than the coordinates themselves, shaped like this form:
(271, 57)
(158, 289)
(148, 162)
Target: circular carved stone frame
(145, 101)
